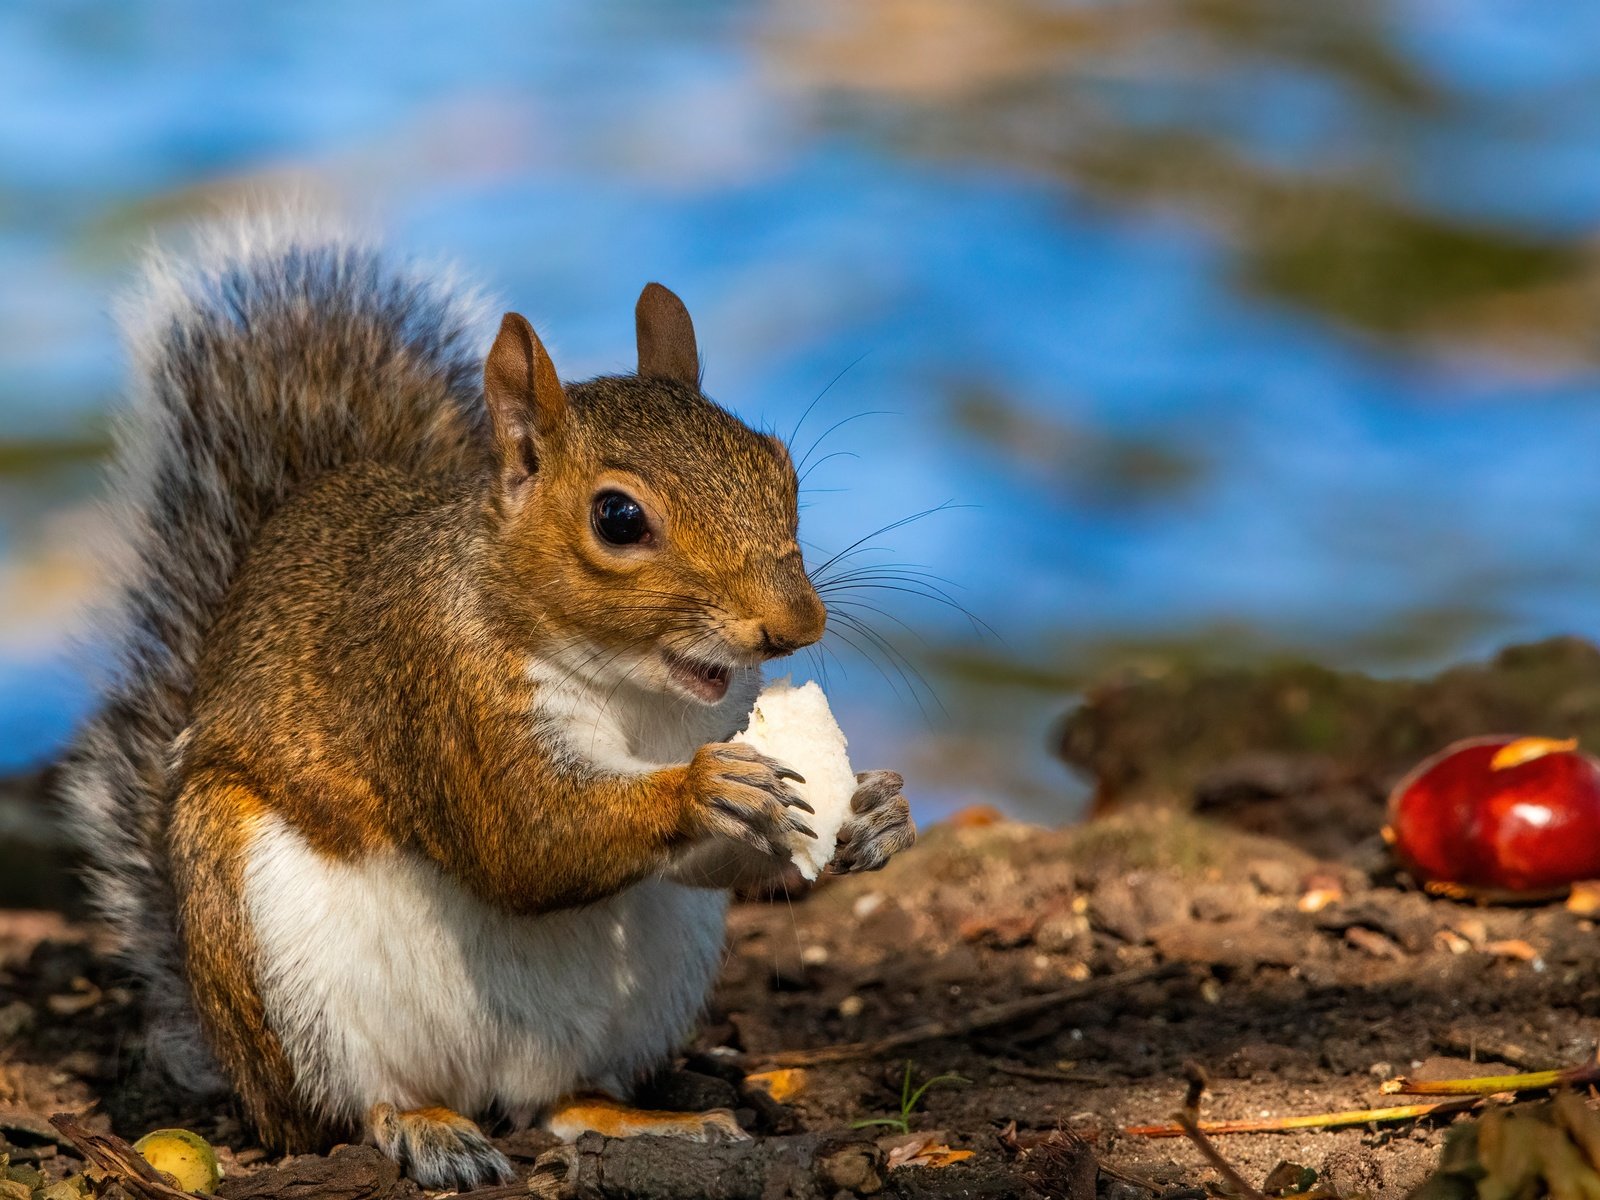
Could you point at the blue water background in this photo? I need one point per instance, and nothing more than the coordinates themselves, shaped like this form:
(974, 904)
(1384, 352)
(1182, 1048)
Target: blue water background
(1233, 328)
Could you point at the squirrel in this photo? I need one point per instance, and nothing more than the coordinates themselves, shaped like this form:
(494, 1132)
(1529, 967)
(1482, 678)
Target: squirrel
(409, 794)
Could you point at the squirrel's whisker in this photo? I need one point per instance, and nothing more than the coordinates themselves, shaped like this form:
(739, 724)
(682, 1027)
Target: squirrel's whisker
(826, 388)
(897, 660)
(947, 506)
(801, 468)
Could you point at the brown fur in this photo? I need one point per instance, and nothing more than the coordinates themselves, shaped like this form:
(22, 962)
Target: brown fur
(343, 558)
(267, 357)
(366, 678)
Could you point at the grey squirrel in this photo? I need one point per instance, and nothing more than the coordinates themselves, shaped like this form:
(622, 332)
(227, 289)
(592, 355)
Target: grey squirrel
(409, 794)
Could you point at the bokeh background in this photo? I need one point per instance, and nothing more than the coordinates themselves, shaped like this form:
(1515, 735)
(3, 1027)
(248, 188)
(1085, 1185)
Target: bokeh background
(1229, 328)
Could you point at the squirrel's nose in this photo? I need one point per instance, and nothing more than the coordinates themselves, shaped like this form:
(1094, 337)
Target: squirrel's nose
(803, 627)
(776, 647)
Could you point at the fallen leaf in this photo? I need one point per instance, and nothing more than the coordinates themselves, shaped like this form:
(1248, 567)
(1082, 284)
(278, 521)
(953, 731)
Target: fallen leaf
(1449, 939)
(1372, 942)
(1512, 948)
(924, 1151)
(1003, 932)
(975, 816)
(782, 1085)
(1584, 899)
(1318, 898)
(84, 996)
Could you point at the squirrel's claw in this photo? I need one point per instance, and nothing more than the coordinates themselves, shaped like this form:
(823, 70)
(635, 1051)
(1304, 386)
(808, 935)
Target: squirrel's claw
(438, 1148)
(879, 825)
(745, 797)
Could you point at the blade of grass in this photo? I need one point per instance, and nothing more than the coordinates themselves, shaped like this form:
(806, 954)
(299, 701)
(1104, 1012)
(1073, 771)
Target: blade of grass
(1332, 1120)
(1490, 1085)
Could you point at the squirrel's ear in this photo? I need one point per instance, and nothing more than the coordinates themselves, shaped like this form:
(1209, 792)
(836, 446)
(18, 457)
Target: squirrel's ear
(524, 394)
(666, 337)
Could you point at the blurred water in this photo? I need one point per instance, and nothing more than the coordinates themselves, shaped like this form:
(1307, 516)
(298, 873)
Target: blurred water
(1235, 325)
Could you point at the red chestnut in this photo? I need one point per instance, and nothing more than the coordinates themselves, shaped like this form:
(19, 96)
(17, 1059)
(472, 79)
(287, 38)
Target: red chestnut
(1503, 814)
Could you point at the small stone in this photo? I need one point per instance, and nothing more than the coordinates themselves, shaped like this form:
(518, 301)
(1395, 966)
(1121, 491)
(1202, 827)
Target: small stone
(1162, 899)
(1352, 1172)
(1061, 932)
(1115, 909)
(15, 1018)
(1274, 877)
(851, 1007)
(866, 905)
(1222, 901)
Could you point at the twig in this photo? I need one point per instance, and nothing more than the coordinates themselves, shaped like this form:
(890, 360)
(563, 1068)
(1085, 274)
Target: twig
(1490, 1085)
(986, 1017)
(1189, 1125)
(1334, 1120)
(1188, 1118)
(1129, 1177)
(1477, 1046)
(1045, 1075)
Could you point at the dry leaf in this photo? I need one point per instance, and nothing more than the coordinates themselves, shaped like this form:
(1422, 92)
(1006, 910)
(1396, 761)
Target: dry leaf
(939, 1156)
(1449, 939)
(1374, 943)
(782, 1085)
(1584, 899)
(84, 996)
(975, 816)
(1318, 898)
(924, 1150)
(1512, 948)
(1003, 932)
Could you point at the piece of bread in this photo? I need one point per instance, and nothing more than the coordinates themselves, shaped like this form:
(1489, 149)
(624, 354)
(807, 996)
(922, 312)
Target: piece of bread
(794, 726)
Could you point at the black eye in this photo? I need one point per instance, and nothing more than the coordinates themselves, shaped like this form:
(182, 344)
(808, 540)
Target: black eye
(618, 519)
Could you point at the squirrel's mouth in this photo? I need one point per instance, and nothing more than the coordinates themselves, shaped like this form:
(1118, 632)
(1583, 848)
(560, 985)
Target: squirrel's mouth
(702, 680)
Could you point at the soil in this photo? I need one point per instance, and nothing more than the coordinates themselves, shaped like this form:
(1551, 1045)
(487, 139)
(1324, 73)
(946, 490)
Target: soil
(1240, 915)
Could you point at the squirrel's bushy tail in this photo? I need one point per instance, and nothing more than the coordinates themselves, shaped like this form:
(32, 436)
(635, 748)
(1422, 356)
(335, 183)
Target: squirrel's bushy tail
(267, 356)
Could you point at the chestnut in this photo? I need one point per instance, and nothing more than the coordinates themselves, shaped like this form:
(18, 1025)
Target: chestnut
(1500, 814)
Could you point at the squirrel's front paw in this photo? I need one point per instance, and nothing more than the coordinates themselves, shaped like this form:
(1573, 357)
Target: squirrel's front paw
(739, 793)
(879, 825)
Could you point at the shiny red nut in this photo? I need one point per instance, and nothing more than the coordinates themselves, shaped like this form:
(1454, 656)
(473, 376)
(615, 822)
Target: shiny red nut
(1512, 814)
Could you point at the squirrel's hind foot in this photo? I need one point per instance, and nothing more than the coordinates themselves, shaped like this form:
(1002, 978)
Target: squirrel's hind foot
(570, 1118)
(438, 1148)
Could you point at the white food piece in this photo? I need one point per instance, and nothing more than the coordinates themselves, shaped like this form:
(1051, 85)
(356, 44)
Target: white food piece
(794, 726)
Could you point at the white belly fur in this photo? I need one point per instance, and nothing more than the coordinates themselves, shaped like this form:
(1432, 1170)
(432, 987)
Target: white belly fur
(387, 982)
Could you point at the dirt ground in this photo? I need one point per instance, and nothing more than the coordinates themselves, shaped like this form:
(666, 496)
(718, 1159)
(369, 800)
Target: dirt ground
(1284, 956)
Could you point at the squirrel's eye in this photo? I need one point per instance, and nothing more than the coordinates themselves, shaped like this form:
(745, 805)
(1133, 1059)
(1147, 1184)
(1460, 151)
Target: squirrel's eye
(620, 520)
